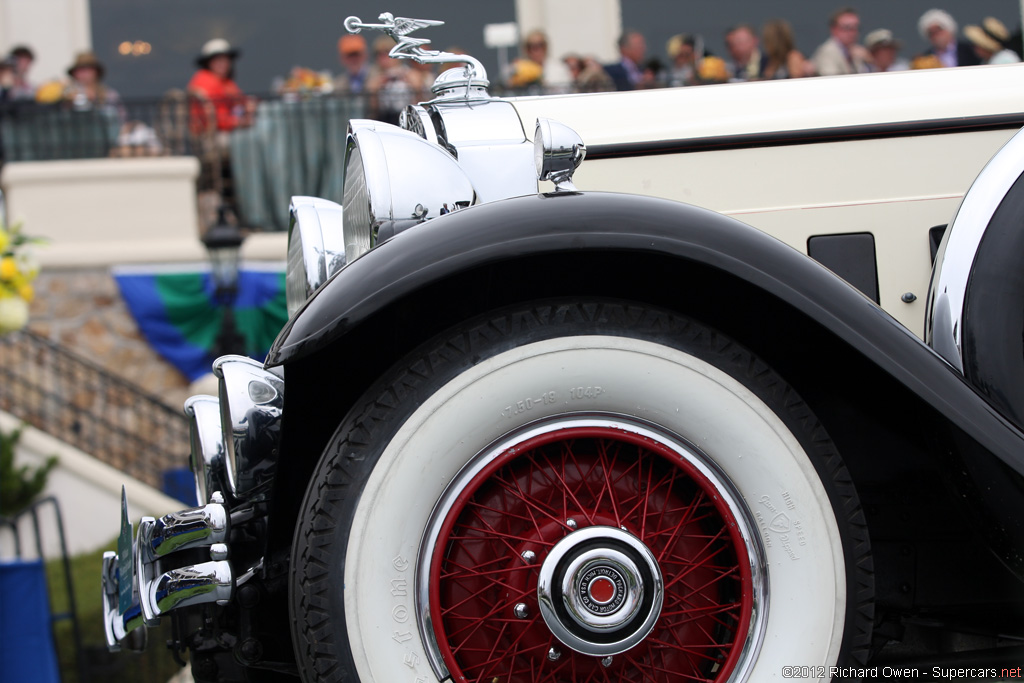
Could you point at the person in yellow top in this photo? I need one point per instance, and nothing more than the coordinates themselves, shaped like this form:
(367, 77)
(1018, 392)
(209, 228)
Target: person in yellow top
(527, 72)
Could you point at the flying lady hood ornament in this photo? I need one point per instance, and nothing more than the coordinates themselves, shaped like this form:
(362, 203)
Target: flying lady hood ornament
(471, 80)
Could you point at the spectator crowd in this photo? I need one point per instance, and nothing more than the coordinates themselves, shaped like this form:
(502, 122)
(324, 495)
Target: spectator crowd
(771, 53)
(367, 69)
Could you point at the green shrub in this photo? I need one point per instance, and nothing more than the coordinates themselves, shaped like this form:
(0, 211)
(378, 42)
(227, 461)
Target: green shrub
(19, 485)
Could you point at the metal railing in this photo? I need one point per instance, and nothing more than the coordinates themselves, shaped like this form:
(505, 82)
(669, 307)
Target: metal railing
(172, 125)
(80, 403)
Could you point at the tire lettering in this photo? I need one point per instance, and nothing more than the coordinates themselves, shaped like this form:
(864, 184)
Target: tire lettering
(785, 526)
(576, 393)
(399, 611)
(529, 403)
(765, 536)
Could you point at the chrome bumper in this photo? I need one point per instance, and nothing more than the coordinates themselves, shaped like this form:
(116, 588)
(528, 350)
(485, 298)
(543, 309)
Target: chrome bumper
(234, 440)
(157, 588)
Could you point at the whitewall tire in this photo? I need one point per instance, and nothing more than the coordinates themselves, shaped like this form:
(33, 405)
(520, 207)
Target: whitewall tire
(569, 492)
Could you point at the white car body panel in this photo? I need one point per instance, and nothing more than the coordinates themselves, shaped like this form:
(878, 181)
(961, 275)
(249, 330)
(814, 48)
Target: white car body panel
(895, 187)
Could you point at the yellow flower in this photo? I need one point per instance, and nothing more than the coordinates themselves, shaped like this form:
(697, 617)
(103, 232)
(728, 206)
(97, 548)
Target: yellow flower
(8, 268)
(26, 292)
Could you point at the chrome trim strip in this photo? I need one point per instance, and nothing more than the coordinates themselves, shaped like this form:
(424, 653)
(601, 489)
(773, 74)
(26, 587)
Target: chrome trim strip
(944, 313)
(731, 496)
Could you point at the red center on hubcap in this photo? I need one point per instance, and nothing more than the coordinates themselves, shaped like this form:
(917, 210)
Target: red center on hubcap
(602, 590)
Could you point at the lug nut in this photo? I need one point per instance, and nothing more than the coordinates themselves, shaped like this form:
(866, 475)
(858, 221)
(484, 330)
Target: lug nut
(554, 654)
(528, 556)
(521, 610)
(571, 523)
(606, 662)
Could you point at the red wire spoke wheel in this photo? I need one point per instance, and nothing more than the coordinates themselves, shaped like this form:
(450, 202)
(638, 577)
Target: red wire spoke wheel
(591, 550)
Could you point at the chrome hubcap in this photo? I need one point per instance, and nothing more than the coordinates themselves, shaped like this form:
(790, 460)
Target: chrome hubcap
(600, 591)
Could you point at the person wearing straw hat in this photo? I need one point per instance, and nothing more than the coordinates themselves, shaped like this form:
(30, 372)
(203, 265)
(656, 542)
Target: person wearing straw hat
(884, 49)
(214, 82)
(989, 42)
(86, 88)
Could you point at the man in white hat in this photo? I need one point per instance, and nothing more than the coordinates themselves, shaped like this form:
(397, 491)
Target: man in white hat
(939, 28)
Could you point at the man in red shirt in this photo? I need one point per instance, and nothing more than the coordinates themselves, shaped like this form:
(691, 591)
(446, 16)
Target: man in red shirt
(213, 82)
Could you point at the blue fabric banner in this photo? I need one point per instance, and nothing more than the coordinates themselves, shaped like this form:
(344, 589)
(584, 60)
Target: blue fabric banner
(177, 313)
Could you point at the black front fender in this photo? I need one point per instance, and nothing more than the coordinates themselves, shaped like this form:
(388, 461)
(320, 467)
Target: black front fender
(569, 225)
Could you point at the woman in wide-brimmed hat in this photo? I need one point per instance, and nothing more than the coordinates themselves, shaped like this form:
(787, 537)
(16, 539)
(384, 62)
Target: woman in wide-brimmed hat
(86, 88)
(214, 82)
(989, 42)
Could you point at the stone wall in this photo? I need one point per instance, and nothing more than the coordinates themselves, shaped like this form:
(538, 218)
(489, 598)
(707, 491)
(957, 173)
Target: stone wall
(82, 309)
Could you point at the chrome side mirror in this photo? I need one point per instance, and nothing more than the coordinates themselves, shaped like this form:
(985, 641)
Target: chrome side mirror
(558, 151)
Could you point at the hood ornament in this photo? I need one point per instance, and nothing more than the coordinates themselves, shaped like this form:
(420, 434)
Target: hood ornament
(472, 77)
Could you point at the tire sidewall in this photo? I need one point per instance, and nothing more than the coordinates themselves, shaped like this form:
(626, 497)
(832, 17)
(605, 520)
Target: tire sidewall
(420, 448)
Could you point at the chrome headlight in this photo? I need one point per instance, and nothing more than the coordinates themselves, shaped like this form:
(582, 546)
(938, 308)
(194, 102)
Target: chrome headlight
(207, 440)
(251, 400)
(316, 248)
(558, 151)
(395, 179)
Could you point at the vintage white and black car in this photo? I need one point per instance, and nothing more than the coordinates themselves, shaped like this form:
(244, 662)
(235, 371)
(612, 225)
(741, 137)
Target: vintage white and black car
(720, 383)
